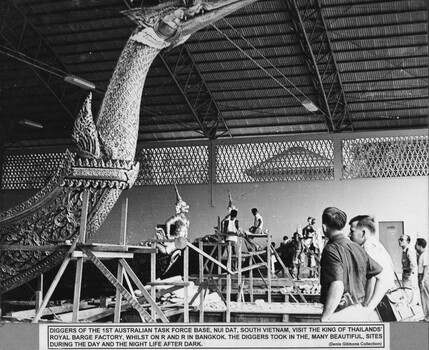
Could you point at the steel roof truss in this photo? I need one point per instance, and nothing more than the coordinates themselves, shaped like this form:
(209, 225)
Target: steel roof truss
(312, 33)
(198, 97)
(20, 35)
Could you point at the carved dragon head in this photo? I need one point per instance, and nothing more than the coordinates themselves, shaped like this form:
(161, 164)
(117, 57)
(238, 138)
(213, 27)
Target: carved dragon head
(172, 21)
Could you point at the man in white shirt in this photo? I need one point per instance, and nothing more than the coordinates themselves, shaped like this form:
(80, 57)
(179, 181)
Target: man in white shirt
(423, 274)
(362, 232)
(258, 223)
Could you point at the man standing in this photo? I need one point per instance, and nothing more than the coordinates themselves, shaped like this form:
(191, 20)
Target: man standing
(362, 232)
(345, 269)
(423, 274)
(409, 263)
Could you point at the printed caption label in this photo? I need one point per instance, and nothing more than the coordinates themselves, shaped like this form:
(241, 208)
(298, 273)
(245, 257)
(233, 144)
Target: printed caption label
(214, 336)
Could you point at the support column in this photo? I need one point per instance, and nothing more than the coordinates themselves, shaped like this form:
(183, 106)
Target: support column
(120, 273)
(186, 281)
(79, 263)
(338, 161)
(212, 172)
(228, 283)
(39, 292)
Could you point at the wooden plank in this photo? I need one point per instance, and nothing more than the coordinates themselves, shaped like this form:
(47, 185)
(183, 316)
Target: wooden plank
(251, 279)
(228, 284)
(99, 247)
(143, 290)
(185, 253)
(124, 220)
(201, 290)
(269, 247)
(118, 299)
(256, 252)
(215, 244)
(252, 235)
(219, 269)
(77, 289)
(79, 263)
(84, 315)
(54, 283)
(105, 271)
(166, 291)
(201, 265)
(104, 255)
(48, 248)
(239, 267)
(130, 286)
(252, 267)
(39, 292)
(84, 216)
(166, 283)
(50, 310)
(209, 257)
(153, 276)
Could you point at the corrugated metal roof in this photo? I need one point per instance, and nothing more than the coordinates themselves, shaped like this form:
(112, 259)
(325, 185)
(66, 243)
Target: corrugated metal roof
(253, 64)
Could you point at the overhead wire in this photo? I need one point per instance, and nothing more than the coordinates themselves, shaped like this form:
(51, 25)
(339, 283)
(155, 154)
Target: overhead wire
(33, 62)
(272, 66)
(266, 60)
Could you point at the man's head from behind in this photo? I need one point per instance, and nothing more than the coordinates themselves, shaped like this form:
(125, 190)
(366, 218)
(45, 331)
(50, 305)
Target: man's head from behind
(362, 227)
(333, 221)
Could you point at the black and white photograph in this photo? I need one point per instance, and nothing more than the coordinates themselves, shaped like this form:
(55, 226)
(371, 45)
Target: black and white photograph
(214, 174)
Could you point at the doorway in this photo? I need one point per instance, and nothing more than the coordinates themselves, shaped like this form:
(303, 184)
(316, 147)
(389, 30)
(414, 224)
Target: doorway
(389, 232)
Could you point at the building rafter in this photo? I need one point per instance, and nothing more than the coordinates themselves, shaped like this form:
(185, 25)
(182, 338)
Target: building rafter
(21, 40)
(188, 79)
(310, 26)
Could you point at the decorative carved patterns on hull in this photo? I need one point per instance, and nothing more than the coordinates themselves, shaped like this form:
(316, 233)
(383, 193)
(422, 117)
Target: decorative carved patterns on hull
(51, 218)
(84, 133)
(53, 215)
(118, 121)
(40, 196)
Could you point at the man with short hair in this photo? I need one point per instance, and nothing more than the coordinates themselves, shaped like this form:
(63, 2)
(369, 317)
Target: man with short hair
(345, 269)
(423, 274)
(409, 263)
(231, 229)
(258, 222)
(362, 232)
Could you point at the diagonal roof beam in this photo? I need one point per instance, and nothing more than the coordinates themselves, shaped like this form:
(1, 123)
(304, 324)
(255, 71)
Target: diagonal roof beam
(311, 29)
(22, 41)
(185, 73)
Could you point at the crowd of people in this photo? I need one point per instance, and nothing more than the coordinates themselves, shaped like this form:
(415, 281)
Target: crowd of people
(302, 250)
(354, 268)
(357, 271)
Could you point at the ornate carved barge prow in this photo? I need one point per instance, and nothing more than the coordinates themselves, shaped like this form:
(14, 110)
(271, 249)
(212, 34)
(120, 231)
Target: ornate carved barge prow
(104, 165)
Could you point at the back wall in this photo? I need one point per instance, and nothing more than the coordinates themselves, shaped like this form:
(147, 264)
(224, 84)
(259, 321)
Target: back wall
(284, 205)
